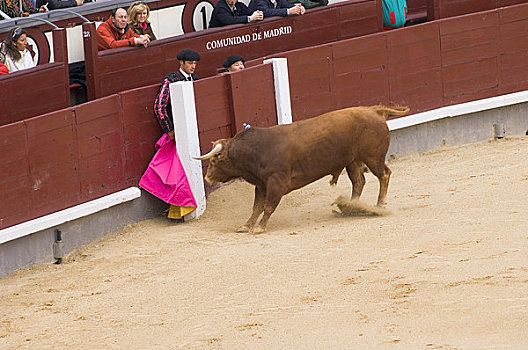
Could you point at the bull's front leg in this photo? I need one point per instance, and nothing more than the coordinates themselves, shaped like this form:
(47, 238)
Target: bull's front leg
(258, 208)
(275, 190)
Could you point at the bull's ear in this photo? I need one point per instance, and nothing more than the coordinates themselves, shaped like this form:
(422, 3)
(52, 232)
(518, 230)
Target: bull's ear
(223, 153)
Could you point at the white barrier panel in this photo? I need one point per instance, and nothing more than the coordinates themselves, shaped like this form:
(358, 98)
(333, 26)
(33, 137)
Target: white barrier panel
(282, 89)
(76, 212)
(187, 141)
(460, 109)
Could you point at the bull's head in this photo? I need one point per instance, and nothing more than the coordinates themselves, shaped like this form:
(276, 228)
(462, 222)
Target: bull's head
(220, 168)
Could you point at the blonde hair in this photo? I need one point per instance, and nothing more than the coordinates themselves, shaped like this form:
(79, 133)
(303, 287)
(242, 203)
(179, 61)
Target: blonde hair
(134, 9)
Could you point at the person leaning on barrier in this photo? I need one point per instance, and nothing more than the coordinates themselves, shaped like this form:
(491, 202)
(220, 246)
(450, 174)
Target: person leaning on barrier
(163, 110)
(228, 12)
(114, 32)
(234, 63)
(272, 8)
(11, 8)
(162, 106)
(14, 49)
(138, 15)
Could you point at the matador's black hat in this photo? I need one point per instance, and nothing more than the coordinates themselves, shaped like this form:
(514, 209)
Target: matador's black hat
(188, 55)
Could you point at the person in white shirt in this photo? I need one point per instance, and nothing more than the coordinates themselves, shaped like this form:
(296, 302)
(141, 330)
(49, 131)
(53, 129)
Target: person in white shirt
(17, 56)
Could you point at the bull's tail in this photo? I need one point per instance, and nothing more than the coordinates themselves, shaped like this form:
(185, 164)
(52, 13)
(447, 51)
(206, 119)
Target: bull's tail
(390, 111)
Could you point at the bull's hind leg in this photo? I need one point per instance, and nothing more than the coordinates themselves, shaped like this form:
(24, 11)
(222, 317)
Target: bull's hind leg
(258, 208)
(355, 174)
(383, 173)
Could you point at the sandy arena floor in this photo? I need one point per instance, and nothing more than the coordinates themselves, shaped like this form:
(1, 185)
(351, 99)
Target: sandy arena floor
(448, 269)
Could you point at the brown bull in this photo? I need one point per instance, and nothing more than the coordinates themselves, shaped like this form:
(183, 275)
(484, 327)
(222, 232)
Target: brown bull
(283, 158)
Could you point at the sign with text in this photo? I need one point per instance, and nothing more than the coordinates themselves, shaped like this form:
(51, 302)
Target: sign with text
(246, 38)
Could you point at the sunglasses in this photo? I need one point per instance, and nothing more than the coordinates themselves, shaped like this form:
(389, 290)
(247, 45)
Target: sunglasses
(138, 3)
(17, 33)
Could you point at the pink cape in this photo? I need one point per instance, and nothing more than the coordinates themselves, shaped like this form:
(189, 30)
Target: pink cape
(165, 177)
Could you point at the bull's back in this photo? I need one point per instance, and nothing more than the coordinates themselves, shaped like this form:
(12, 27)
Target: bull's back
(340, 134)
(326, 144)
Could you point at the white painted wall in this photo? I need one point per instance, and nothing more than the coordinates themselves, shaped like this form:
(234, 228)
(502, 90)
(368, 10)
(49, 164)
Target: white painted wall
(187, 141)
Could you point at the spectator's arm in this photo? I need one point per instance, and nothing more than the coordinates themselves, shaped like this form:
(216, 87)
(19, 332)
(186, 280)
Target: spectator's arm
(160, 107)
(107, 40)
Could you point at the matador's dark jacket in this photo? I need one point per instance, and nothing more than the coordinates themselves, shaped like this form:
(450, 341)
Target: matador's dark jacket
(162, 105)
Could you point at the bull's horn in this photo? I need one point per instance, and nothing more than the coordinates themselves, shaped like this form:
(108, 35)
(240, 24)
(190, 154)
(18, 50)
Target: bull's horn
(217, 149)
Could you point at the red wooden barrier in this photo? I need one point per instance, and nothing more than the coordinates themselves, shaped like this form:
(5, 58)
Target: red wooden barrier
(49, 86)
(513, 48)
(53, 162)
(15, 186)
(311, 80)
(470, 62)
(416, 11)
(141, 130)
(415, 67)
(213, 110)
(450, 8)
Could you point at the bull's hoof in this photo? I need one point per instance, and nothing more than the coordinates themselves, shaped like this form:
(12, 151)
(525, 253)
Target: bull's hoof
(258, 230)
(242, 229)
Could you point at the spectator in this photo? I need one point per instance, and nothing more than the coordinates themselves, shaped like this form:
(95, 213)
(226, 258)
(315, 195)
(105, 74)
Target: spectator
(114, 32)
(272, 8)
(165, 177)
(11, 8)
(138, 15)
(162, 107)
(17, 56)
(45, 5)
(308, 4)
(394, 13)
(234, 63)
(228, 12)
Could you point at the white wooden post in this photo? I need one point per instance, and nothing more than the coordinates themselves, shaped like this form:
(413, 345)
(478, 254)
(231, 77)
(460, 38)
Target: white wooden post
(187, 142)
(282, 89)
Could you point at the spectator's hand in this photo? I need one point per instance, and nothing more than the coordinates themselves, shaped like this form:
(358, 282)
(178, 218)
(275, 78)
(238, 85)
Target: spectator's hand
(256, 16)
(303, 10)
(171, 134)
(295, 10)
(79, 2)
(43, 8)
(142, 40)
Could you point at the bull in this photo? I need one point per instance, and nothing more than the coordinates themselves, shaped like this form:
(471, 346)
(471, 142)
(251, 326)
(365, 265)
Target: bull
(283, 158)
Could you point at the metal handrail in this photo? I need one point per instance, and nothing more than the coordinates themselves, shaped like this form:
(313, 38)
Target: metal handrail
(3, 14)
(17, 20)
(70, 12)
